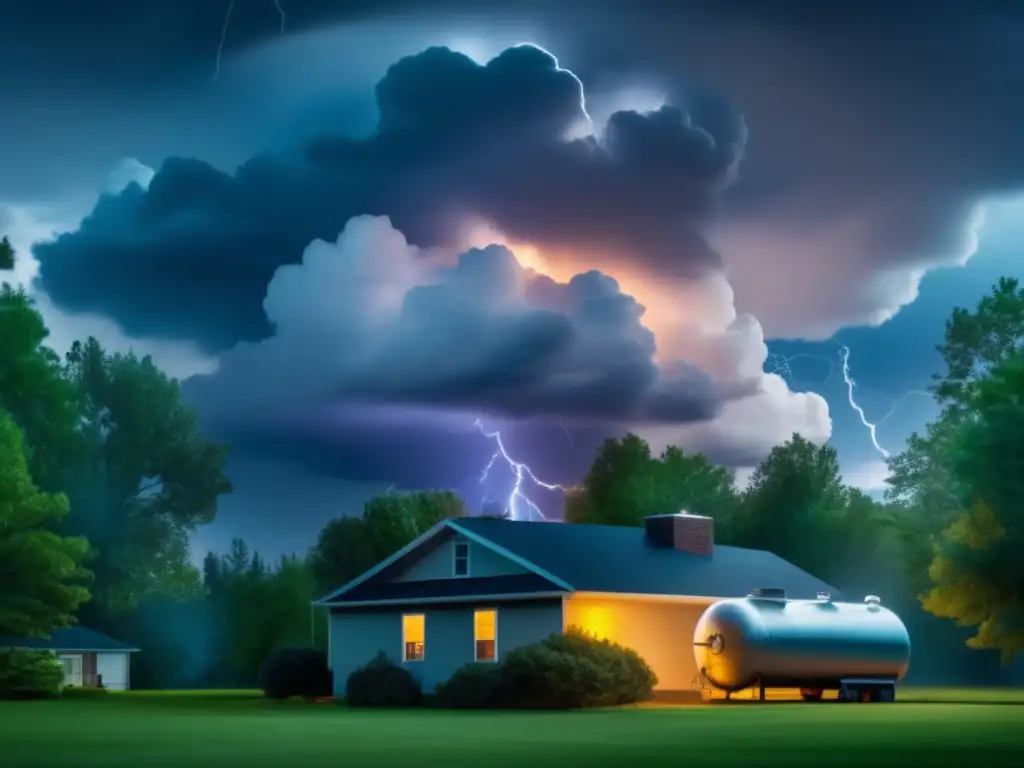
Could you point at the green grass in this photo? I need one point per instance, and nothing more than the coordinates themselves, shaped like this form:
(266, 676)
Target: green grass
(234, 728)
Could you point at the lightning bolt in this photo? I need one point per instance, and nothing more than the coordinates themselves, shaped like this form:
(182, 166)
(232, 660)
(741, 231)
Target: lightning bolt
(224, 32)
(567, 435)
(844, 356)
(280, 11)
(223, 37)
(519, 506)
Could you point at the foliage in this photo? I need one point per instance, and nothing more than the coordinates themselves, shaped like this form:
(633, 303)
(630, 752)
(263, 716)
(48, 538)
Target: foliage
(349, 546)
(30, 674)
(382, 683)
(797, 507)
(41, 572)
(295, 672)
(256, 609)
(573, 671)
(6, 254)
(977, 571)
(960, 483)
(149, 479)
(33, 390)
(472, 686)
(626, 483)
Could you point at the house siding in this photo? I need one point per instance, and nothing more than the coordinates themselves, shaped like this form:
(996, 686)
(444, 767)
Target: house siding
(113, 669)
(437, 564)
(661, 631)
(357, 636)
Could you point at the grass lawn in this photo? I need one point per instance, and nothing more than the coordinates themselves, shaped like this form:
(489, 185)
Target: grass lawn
(954, 726)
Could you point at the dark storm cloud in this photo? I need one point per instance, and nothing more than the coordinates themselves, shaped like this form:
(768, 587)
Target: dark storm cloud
(192, 255)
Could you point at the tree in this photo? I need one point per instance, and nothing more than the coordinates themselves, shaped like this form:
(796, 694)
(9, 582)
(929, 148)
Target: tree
(797, 507)
(34, 392)
(977, 571)
(41, 573)
(6, 254)
(625, 484)
(926, 494)
(349, 546)
(342, 551)
(149, 479)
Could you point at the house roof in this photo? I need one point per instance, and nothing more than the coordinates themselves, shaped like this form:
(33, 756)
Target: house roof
(80, 639)
(606, 558)
(585, 558)
(452, 589)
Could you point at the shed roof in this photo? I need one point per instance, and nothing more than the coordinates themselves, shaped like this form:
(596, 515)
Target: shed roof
(80, 639)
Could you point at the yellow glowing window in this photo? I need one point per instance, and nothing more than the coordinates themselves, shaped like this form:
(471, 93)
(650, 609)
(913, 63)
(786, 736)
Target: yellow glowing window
(485, 630)
(414, 636)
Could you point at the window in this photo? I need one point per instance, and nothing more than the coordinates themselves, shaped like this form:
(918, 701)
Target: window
(414, 636)
(460, 567)
(485, 631)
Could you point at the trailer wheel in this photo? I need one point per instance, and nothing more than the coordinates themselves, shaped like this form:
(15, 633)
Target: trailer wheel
(811, 694)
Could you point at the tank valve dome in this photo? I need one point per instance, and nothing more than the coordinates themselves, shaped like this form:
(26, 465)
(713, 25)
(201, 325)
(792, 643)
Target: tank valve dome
(873, 600)
(824, 596)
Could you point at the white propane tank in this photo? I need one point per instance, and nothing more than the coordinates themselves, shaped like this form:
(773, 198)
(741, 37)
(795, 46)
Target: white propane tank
(767, 639)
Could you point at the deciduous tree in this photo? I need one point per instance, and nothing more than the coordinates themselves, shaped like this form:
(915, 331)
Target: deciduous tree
(977, 572)
(35, 393)
(626, 483)
(149, 479)
(42, 574)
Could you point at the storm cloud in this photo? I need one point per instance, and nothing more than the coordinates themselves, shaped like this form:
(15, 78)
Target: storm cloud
(191, 255)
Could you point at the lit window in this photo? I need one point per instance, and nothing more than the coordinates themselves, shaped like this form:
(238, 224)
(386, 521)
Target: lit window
(461, 564)
(485, 631)
(414, 636)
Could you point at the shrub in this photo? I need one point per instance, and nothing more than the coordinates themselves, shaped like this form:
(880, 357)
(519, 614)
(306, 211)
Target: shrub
(83, 692)
(572, 671)
(30, 675)
(382, 683)
(472, 686)
(295, 672)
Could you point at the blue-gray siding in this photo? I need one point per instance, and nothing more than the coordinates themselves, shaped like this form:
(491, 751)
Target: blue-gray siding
(357, 636)
(438, 563)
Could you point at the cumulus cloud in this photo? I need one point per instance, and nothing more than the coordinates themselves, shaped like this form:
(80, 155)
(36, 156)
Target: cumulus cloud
(369, 319)
(191, 255)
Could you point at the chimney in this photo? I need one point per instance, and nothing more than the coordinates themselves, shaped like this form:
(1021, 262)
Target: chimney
(694, 534)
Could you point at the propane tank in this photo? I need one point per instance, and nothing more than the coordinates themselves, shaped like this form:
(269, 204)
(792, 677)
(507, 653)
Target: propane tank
(768, 639)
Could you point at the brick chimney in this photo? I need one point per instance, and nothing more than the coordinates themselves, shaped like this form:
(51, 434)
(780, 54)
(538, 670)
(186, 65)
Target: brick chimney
(694, 534)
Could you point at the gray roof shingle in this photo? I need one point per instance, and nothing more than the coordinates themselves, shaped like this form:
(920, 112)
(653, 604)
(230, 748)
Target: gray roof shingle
(605, 558)
(68, 639)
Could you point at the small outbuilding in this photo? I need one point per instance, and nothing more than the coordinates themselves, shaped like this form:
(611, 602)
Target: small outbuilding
(90, 658)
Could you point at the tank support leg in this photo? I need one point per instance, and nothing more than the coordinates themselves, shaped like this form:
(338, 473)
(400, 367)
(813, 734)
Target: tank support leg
(728, 695)
(760, 693)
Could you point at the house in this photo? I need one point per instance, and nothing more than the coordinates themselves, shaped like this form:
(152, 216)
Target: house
(472, 589)
(89, 657)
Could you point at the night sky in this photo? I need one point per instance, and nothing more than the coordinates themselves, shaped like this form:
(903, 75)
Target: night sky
(355, 229)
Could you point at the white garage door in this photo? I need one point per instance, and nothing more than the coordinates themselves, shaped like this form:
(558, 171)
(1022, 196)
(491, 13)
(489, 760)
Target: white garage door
(113, 668)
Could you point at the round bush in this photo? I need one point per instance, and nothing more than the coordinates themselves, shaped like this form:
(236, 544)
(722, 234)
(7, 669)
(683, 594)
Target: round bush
(30, 675)
(295, 672)
(573, 671)
(382, 683)
(472, 686)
